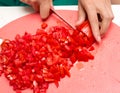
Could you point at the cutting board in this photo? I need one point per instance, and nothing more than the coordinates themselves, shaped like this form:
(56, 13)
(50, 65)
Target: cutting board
(101, 75)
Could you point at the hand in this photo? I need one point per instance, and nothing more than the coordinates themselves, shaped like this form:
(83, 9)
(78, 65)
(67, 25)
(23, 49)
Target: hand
(43, 6)
(91, 9)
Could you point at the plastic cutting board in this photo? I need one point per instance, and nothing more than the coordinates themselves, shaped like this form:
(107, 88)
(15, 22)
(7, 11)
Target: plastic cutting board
(101, 75)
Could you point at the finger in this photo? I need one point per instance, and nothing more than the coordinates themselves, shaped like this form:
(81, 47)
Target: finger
(93, 19)
(106, 20)
(35, 6)
(81, 14)
(105, 24)
(45, 8)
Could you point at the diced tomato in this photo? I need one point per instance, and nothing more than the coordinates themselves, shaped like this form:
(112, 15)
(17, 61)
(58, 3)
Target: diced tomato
(83, 54)
(35, 61)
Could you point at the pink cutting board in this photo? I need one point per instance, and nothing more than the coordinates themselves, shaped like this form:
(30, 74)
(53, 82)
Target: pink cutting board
(101, 75)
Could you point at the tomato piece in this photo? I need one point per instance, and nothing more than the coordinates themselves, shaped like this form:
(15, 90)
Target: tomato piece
(62, 73)
(91, 48)
(59, 33)
(56, 83)
(73, 58)
(86, 29)
(57, 76)
(66, 71)
(83, 25)
(83, 54)
(44, 25)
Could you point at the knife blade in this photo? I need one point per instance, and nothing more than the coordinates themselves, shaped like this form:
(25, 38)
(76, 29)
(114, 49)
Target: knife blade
(58, 15)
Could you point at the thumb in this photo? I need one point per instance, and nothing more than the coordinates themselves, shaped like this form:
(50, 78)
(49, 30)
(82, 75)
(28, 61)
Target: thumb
(45, 8)
(81, 14)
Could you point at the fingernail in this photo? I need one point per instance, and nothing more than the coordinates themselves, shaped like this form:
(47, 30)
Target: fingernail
(98, 39)
(79, 22)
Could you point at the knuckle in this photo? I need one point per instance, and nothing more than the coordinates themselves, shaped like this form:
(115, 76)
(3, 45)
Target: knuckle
(109, 17)
(33, 1)
(112, 16)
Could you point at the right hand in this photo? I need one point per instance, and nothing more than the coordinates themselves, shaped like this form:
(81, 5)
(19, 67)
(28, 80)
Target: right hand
(42, 6)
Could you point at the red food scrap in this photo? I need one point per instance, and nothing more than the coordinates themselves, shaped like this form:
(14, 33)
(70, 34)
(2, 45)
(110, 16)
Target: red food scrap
(44, 25)
(35, 61)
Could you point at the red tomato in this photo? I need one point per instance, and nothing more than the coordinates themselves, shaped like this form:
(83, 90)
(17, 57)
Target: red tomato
(35, 61)
(86, 29)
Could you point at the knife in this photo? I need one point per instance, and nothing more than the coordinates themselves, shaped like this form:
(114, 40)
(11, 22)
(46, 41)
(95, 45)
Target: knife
(73, 28)
(53, 11)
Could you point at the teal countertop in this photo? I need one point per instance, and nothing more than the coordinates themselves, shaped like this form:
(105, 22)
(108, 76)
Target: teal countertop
(55, 2)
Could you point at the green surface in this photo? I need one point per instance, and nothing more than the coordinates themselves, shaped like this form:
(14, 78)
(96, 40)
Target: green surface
(65, 2)
(11, 3)
(18, 3)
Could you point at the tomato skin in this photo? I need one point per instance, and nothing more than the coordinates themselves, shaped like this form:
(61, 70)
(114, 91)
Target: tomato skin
(86, 29)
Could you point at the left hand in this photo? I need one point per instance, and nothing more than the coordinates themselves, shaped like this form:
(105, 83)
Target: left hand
(91, 9)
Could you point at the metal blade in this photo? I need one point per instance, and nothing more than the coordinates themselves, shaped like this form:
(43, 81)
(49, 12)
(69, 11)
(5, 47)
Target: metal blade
(53, 11)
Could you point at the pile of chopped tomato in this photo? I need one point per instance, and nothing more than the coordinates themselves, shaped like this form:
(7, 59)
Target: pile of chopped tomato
(35, 61)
